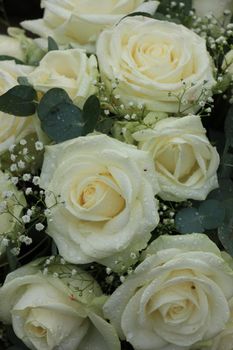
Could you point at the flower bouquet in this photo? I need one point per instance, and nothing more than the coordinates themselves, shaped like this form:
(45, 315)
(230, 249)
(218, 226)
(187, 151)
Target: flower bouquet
(116, 193)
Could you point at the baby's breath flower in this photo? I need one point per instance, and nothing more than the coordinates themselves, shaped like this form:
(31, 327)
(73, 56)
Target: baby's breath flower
(15, 251)
(26, 219)
(36, 180)
(14, 180)
(26, 177)
(28, 191)
(13, 167)
(23, 142)
(39, 226)
(39, 146)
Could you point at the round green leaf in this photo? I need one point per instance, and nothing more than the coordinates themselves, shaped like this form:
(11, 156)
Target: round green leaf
(188, 220)
(19, 101)
(91, 113)
(50, 100)
(63, 122)
(224, 191)
(212, 213)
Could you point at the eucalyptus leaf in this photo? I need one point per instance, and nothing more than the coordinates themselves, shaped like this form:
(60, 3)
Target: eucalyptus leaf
(188, 220)
(224, 191)
(212, 213)
(10, 58)
(19, 101)
(63, 122)
(91, 113)
(50, 100)
(105, 126)
(52, 45)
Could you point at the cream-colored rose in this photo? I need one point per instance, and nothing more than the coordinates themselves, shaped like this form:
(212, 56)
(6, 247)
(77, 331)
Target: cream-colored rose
(11, 47)
(12, 128)
(228, 62)
(108, 190)
(154, 61)
(79, 22)
(185, 161)
(177, 296)
(12, 202)
(215, 7)
(49, 312)
(224, 340)
(71, 70)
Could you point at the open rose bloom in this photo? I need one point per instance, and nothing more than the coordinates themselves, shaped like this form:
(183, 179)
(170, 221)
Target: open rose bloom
(79, 22)
(177, 296)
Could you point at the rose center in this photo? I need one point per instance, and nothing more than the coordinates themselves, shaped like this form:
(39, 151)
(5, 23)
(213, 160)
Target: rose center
(101, 196)
(177, 159)
(37, 330)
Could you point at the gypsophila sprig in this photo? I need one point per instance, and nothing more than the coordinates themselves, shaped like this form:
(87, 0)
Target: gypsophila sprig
(75, 279)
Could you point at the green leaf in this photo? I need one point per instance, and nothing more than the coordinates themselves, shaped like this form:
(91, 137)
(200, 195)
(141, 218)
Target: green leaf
(63, 122)
(212, 213)
(225, 231)
(52, 45)
(224, 191)
(91, 113)
(188, 220)
(50, 100)
(10, 58)
(105, 126)
(60, 119)
(19, 101)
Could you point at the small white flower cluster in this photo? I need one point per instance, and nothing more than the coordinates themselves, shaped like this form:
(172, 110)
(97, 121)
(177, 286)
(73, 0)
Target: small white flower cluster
(113, 107)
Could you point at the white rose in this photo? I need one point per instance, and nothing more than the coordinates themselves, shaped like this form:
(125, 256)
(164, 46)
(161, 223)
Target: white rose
(176, 297)
(11, 47)
(224, 340)
(80, 22)
(152, 61)
(185, 161)
(49, 312)
(71, 70)
(215, 7)
(13, 201)
(108, 190)
(12, 128)
(228, 62)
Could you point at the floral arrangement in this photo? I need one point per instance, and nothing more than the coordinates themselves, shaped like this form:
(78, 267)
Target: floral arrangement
(116, 193)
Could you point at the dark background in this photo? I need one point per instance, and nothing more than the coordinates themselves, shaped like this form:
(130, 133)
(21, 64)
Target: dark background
(14, 11)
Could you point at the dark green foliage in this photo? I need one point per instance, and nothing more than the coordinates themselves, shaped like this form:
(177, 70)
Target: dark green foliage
(10, 58)
(52, 45)
(19, 101)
